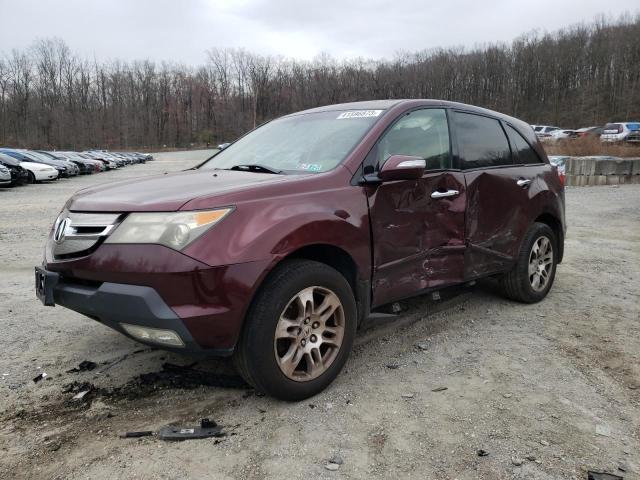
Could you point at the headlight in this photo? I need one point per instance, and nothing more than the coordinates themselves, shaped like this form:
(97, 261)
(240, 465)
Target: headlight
(172, 229)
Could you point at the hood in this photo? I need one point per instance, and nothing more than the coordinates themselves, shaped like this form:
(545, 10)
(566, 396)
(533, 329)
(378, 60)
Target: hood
(167, 192)
(36, 166)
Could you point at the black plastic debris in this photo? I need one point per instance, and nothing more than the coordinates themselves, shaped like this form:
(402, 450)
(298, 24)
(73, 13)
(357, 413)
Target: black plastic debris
(144, 433)
(42, 376)
(482, 453)
(440, 389)
(603, 476)
(206, 423)
(207, 429)
(186, 377)
(83, 366)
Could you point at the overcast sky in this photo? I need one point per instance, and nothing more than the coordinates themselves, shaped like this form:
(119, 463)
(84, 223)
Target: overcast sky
(182, 30)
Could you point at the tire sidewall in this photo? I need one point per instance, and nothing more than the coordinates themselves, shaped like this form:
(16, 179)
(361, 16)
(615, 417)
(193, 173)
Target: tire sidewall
(263, 319)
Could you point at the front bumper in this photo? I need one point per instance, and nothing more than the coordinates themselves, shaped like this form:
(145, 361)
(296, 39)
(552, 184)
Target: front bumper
(115, 304)
(208, 303)
(42, 175)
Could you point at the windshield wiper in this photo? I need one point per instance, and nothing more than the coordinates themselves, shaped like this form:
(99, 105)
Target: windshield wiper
(254, 167)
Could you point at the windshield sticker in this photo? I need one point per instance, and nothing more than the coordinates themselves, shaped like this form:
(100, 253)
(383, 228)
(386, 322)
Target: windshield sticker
(310, 167)
(359, 114)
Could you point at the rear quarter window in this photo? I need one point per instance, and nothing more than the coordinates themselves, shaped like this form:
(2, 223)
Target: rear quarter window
(481, 141)
(520, 148)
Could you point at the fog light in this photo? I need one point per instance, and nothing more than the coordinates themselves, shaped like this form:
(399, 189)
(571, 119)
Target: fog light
(155, 335)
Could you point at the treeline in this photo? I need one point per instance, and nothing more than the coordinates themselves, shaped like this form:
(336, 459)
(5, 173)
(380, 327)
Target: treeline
(49, 97)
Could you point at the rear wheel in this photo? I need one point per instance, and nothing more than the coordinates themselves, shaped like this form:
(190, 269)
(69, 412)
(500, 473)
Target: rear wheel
(532, 276)
(298, 332)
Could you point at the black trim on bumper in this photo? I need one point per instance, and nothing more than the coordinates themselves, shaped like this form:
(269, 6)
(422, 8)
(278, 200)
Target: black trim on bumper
(116, 303)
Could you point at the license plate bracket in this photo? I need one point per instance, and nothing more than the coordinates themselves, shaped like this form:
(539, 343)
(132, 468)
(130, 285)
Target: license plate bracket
(45, 283)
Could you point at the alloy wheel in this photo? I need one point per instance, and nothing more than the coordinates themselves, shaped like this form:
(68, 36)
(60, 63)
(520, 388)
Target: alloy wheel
(540, 263)
(309, 333)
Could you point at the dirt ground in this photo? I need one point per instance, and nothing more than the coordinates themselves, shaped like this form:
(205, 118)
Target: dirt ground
(548, 390)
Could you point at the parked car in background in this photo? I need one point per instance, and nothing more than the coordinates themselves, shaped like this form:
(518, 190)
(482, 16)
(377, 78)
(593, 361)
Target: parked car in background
(72, 168)
(5, 176)
(560, 162)
(544, 131)
(39, 172)
(19, 175)
(85, 166)
(620, 132)
(105, 157)
(96, 165)
(590, 132)
(277, 248)
(63, 167)
(558, 135)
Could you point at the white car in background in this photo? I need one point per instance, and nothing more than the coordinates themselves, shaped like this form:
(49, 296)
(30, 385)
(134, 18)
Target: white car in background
(5, 175)
(39, 172)
(562, 135)
(544, 131)
(621, 131)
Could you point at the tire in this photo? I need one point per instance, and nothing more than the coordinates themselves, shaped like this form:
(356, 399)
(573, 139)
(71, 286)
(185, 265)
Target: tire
(518, 284)
(277, 325)
(32, 177)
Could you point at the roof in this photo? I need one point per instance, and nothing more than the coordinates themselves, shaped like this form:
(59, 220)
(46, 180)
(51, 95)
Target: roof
(366, 105)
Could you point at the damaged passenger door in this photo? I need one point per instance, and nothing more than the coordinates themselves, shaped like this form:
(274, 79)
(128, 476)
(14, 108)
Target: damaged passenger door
(499, 187)
(417, 225)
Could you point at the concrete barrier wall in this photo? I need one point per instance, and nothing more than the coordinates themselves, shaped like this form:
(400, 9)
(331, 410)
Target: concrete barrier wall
(583, 171)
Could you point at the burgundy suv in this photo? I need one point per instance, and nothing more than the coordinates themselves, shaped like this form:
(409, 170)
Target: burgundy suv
(279, 246)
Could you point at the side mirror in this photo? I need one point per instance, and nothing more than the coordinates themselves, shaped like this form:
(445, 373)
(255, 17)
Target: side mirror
(402, 167)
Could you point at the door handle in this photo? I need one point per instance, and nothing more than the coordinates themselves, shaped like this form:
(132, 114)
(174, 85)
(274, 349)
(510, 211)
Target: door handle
(448, 193)
(523, 182)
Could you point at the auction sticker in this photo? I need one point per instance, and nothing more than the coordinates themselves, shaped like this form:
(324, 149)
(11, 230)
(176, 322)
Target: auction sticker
(359, 114)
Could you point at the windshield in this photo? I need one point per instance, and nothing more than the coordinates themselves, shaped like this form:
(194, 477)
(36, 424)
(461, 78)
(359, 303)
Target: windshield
(308, 143)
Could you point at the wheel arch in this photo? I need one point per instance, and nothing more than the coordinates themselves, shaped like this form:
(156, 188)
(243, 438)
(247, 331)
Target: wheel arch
(556, 225)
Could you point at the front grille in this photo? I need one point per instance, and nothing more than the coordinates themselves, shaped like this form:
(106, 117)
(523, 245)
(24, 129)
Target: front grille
(76, 234)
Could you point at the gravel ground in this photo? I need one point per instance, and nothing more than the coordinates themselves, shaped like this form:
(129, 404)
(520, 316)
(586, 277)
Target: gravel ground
(547, 391)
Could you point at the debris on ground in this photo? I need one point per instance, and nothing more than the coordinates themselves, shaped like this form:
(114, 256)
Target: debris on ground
(83, 366)
(124, 357)
(177, 376)
(42, 376)
(482, 453)
(440, 389)
(144, 433)
(603, 430)
(207, 429)
(332, 466)
(424, 346)
(337, 459)
(408, 395)
(392, 366)
(517, 461)
(77, 387)
(602, 476)
(80, 395)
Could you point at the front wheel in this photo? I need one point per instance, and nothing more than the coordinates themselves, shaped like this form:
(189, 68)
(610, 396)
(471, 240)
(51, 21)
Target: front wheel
(298, 332)
(532, 276)
(32, 177)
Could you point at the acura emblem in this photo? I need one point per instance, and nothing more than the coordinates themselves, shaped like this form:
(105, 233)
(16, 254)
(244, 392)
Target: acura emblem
(58, 235)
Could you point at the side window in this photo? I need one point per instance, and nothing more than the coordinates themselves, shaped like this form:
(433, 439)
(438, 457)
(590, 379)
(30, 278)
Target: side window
(522, 151)
(481, 141)
(420, 133)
